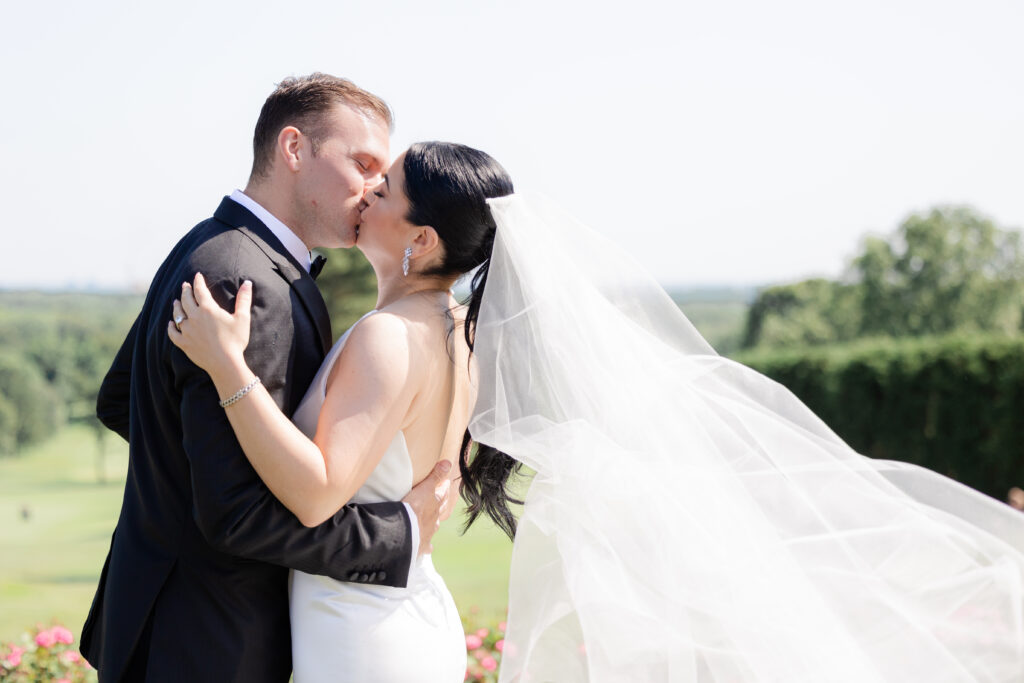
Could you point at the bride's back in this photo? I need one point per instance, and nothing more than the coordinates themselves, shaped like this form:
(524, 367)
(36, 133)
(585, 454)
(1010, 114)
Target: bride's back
(439, 376)
(442, 374)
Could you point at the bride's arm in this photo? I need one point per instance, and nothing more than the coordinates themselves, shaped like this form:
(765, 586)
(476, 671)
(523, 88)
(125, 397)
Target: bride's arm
(368, 397)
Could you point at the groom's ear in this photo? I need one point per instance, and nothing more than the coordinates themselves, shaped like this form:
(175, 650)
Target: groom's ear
(290, 148)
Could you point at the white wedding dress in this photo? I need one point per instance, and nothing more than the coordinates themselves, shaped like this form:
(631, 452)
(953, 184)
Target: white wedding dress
(366, 633)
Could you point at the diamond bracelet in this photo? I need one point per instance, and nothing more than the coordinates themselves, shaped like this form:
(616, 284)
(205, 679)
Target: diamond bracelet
(240, 394)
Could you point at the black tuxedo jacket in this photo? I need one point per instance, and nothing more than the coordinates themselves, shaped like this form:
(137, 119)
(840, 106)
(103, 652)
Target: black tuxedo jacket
(195, 587)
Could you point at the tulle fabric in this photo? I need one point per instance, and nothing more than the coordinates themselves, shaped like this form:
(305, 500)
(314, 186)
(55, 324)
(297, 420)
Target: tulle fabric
(691, 520)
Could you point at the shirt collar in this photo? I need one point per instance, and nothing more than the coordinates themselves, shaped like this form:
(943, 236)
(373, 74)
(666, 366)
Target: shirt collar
(289, 239)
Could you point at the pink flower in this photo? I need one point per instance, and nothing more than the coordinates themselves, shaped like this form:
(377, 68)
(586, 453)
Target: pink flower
(62, 635)
(501, 626)
(480, 653)
(482, 632)
(63, 680)
(500, 645)
(13, 659)
(489, 663)
(473, 641)
(70, 657)
(46, 638)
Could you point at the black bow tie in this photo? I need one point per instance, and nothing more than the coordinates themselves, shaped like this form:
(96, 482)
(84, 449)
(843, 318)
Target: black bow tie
(316, 266)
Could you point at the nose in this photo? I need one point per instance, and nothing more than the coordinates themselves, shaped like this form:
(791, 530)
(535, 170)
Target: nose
(368, 198)
(374, 180)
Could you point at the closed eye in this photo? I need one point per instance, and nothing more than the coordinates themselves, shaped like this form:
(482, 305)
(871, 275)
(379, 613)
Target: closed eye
(379, 194)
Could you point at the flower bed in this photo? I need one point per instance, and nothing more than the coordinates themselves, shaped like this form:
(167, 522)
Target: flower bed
(50, 654)
(484, 645)
(46, 654)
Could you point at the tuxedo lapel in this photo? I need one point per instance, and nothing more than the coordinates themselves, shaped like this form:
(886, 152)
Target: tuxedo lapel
(240, 218)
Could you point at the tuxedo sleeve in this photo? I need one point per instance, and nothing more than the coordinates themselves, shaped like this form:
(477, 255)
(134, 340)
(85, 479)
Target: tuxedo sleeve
(237, 513)
(112, 399)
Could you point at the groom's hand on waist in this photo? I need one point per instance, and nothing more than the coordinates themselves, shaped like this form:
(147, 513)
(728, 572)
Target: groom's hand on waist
(428, 499)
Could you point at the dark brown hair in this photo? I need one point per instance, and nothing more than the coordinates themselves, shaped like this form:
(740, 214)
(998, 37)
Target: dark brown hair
(302, 102)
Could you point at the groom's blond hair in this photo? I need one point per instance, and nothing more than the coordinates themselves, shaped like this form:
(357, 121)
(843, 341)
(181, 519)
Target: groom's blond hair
(302, 102)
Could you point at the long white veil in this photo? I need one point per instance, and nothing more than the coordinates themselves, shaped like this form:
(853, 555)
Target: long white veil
(692, 520)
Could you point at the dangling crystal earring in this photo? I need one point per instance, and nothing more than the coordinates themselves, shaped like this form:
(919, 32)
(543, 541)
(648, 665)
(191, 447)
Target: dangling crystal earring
(405, 261)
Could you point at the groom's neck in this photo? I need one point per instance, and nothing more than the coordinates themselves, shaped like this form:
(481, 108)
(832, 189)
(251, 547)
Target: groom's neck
(278, 204)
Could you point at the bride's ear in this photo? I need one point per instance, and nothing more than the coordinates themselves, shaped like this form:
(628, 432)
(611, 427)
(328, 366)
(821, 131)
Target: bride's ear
(426, 243)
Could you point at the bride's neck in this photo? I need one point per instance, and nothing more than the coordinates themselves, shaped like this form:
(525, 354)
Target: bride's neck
(390, 290)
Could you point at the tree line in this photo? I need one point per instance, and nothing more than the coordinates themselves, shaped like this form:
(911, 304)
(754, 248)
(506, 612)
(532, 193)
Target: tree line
(55, 348)
(949, 269)
(54, 351)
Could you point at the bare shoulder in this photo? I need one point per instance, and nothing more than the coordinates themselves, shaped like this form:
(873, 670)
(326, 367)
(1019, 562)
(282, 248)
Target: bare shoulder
(378, 351)
(382, 334)
(407, 333)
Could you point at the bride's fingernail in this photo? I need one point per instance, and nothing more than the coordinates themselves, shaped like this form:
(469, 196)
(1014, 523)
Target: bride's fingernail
(247, 283)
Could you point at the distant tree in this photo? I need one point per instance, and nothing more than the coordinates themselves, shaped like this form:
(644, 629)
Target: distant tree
(872, 269)
(8, 426)
(810, 312)
(948, 269)
(101, 433)
(944, 270)
(59, 346)
(349, 287)
(37, 410)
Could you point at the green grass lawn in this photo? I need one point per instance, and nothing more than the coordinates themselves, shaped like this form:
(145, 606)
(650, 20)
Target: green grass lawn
(50, 562)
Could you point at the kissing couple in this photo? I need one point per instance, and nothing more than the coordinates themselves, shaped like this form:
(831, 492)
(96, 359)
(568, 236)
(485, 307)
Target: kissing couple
(687, 519)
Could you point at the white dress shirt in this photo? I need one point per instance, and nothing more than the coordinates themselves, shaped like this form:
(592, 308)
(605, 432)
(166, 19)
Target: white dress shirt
(289, 239)
(297, 248)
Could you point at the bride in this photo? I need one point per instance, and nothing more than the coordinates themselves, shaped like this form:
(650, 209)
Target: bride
(688, 520)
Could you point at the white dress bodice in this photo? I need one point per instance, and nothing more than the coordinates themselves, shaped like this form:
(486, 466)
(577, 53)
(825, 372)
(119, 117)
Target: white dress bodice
(351, 631)
(392, 478)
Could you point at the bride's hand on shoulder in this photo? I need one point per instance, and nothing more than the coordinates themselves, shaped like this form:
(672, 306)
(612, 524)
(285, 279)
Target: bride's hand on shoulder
(210, 336)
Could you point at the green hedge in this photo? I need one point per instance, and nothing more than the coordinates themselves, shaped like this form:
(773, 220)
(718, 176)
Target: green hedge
(952, 404)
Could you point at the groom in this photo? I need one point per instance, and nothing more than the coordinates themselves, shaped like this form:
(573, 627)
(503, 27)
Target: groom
(195, 587)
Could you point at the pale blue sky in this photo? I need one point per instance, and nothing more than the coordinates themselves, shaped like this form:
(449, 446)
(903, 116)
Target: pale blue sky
(717, 142)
